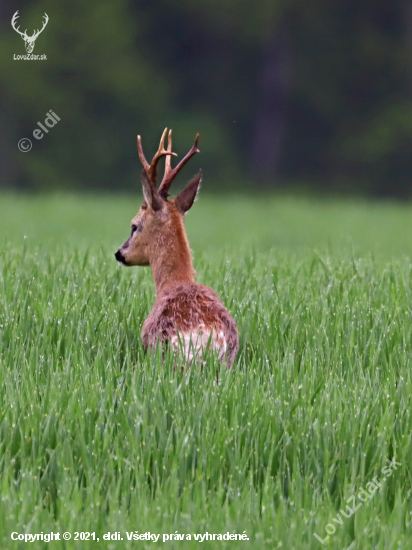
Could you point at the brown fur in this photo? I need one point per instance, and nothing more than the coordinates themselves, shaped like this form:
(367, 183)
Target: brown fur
(187, 315)
(191, 307)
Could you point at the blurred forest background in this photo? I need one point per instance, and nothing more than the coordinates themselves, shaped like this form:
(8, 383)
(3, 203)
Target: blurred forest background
(285, 94)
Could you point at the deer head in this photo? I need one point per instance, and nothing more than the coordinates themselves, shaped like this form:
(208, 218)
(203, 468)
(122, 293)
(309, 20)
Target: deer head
(29, 41)
(157, 231)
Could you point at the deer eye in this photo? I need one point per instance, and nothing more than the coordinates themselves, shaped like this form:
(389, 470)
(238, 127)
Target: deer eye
(138, 227)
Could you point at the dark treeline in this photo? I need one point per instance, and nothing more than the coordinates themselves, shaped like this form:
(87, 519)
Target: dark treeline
(283, 93)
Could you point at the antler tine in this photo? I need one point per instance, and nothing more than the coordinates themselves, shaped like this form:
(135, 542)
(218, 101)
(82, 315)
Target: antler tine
(151, 169)
(160, 153)
(168, 159)
(171, 173)
(142, 158)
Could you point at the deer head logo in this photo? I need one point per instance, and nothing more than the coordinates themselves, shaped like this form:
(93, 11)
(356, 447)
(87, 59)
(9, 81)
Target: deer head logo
(29, 41)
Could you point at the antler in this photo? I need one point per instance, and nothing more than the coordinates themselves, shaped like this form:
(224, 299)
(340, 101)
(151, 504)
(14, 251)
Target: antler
(36, 33)
(13, 24)
(170, 173)
(151, 169)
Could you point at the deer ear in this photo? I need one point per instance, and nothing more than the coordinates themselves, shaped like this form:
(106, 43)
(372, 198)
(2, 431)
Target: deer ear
(186, 198)
(151, 196)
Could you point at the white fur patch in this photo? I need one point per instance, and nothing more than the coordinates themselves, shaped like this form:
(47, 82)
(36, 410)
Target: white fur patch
(193, 344)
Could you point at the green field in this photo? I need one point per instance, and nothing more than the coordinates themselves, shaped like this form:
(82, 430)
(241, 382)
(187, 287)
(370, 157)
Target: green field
(97, 436)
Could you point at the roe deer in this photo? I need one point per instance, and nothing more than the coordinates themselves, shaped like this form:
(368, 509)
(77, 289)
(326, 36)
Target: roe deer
(186, 315)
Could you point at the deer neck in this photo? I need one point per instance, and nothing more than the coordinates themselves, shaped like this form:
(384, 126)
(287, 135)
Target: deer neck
(171, 260)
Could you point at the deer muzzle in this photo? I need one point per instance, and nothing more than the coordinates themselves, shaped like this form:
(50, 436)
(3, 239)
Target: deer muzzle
(119, 257)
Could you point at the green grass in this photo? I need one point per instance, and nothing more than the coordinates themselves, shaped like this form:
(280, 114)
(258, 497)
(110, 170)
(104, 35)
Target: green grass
(97, 436)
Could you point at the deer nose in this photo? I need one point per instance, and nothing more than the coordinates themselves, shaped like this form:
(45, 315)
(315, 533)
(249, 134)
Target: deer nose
(119, 257)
